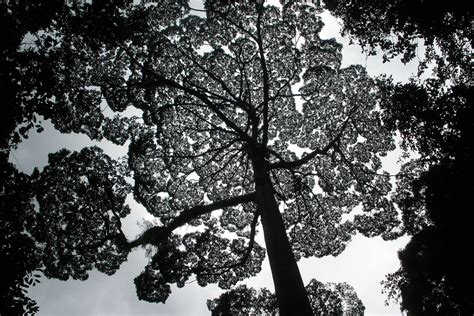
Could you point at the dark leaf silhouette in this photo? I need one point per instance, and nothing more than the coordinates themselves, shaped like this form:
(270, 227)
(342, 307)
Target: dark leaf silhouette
(81, 197)
(433, 118)
(433, 192)
(402, 27)
(18, 252)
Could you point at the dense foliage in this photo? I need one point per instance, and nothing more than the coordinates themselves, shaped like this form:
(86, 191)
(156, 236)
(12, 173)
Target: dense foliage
(16, 20)
(436, 276)
(17, 250)
(407, 28)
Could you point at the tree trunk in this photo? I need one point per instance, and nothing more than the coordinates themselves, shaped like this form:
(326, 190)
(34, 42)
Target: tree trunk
(290, 292)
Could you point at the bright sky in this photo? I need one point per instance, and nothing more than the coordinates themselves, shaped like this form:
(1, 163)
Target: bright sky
(363, 264)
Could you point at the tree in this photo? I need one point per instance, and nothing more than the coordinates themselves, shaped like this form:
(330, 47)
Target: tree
(436, 273)
(16, 21)
(17, 250)
(325, 299)
(401, 27)
(213, 148)
(19, 20)
(432, 117)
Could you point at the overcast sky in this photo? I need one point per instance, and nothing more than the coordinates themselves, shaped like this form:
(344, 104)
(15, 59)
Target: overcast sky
(363, 264)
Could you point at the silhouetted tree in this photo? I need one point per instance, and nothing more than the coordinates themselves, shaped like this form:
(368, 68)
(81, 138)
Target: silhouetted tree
(436, 275)
(325, 299)
(213, 148)
(18, 253)
(19, 21)
(433, 119)
(16, 20)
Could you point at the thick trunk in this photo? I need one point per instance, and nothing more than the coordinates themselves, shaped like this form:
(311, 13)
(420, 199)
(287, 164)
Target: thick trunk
(291, 294)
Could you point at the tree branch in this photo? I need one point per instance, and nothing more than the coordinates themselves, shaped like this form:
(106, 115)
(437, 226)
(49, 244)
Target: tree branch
(244, 258)
(237, 100)
(158, 234)
(159, 80)
(332, 144)
(266, 93)
(299, 162)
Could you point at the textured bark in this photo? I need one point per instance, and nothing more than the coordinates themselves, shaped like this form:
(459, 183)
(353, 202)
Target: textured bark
(289, 287)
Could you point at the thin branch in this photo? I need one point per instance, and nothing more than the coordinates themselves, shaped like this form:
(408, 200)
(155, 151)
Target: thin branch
(265, 77)
(163, 81)
(305, 159)
(243, 260)
(238, 102)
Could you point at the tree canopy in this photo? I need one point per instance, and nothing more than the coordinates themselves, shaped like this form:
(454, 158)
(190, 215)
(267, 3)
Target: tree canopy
(225, 99)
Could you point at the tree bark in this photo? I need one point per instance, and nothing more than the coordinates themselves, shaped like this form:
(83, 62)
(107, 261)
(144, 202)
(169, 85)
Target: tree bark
(289, 288)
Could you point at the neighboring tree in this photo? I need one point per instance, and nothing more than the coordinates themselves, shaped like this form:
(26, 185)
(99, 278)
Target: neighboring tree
(18, 253)
(244, 300)
(213, 149)
(325, 299)
(433, 118)
(406, 26)
(17, 18)
(436, 275)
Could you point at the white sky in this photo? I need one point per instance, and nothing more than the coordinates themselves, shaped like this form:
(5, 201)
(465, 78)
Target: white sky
(363, 264)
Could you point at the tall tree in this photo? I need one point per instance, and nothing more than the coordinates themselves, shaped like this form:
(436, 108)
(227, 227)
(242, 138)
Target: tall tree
(213, 149)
